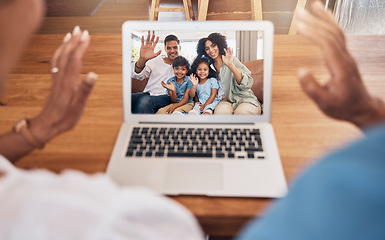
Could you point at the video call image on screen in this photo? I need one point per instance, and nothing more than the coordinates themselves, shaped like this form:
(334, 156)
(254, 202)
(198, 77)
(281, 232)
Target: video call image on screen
(247, 47)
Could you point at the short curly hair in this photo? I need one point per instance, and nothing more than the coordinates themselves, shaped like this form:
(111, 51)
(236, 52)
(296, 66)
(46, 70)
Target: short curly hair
(216, 38)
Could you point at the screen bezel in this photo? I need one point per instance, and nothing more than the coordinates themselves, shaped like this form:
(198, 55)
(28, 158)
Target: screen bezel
(268, 33)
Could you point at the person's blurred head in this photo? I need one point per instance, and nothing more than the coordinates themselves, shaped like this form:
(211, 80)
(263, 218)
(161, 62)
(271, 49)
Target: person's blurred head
(18, 20)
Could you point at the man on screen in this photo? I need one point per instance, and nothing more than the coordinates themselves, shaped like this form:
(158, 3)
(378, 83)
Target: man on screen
(156, 68)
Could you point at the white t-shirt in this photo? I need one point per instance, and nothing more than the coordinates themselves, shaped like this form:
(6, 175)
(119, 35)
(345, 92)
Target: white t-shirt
(39, 204)
(156, 70)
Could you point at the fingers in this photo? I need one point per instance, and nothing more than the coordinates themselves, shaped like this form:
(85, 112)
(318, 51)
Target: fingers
(326, 15)
(75, 60)
(224, 58)
(226, 52)
(156, 40)
(158, 53)
(67, 97)
(67, 50)
(321, 28)
(152, 38)
(148, 39)
(165, 85)
(75, 108)
(323, 25)
(317, 29)
(85, 88)
(311, 87)
(170, 110)
(230, 50)
(59, 50)
(193, 78)
(337, 98)
(88, 83)
(68, 58)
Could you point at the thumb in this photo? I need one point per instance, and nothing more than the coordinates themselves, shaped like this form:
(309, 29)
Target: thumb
(85, 88)
(310, 85)
(158, 53)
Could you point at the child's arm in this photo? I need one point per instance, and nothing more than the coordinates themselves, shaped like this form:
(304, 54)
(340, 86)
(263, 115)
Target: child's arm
(180, 103)
(171, 88)
(194, 81)
(214, 92)
(173, 96)
(196, 100)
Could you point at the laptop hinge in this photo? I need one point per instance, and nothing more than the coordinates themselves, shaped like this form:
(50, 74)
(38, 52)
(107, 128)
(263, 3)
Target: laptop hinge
(228, 123)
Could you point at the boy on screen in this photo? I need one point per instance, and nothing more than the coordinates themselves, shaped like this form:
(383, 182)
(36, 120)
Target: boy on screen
(178, 87)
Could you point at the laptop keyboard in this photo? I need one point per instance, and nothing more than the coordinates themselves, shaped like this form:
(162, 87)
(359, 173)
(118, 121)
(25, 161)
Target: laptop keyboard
(229, 143)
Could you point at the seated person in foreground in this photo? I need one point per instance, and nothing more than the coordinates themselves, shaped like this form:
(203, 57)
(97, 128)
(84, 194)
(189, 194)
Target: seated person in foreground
(340, 197)
(38, 204)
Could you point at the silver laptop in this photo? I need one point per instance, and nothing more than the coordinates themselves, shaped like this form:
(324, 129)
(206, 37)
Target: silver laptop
(203, 160)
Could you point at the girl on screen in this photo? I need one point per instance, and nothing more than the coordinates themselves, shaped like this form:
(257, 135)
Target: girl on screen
(205, 87)
(234, 77)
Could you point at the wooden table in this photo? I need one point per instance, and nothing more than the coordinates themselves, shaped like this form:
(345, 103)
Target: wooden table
(303, 133)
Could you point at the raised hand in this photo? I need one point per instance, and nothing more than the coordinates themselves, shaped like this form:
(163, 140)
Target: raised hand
(68, 96)
(194, 80)
(228, 57)
(147, 48)
(344, 95)
(170, 86)
(202, 106)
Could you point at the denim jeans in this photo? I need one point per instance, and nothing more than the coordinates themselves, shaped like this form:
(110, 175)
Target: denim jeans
(147, 104)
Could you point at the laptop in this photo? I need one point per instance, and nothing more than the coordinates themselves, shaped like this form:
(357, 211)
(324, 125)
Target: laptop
(211, 155)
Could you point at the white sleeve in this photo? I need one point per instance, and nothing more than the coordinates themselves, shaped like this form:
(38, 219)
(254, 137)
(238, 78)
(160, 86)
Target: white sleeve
(152, 216)
(39, 204)
(145, 73)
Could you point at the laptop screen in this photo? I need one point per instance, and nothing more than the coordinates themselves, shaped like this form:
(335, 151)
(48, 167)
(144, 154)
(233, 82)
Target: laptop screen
(216, 91)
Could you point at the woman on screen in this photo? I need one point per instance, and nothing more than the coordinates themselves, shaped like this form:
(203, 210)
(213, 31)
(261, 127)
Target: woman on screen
(234, 77)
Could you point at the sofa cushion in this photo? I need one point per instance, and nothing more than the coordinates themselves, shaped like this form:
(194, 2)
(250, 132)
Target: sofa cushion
(256, 68)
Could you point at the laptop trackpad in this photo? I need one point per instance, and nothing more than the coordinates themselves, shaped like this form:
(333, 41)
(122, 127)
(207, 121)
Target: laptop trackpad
(193, 176)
